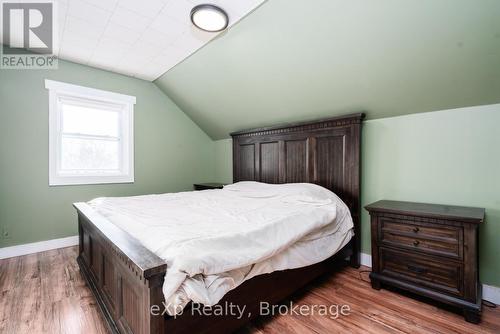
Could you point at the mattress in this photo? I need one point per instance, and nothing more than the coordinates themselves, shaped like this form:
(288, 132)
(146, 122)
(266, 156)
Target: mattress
(214, 240)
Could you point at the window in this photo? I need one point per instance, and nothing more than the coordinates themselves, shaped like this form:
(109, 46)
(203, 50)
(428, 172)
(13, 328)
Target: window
(91, 137)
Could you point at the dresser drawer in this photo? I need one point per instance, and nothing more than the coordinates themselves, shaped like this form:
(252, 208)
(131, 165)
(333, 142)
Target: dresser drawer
(431, 272)
(432, 239)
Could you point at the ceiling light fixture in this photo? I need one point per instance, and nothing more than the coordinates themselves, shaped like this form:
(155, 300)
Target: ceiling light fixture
(209, 18)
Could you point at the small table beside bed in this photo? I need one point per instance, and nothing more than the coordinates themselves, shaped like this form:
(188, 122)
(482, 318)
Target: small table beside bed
(292, 214)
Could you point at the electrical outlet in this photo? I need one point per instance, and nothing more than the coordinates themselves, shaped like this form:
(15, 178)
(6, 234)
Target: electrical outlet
(5, 233)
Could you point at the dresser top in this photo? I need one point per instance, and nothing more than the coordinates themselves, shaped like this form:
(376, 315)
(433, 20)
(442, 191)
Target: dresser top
(211, 184)
(465, 214)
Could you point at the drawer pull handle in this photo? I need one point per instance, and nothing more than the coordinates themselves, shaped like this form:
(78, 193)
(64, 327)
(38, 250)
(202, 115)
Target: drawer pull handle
(417, 270)
(416, 243)
(416, 229)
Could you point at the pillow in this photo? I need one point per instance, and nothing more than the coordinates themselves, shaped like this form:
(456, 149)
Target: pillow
(248, 186)
(290, 192)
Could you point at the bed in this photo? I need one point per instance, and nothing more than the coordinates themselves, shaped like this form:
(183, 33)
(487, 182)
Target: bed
(128, 278)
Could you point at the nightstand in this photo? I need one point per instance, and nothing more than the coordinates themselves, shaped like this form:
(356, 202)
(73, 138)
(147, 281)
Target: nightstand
(430, 250)
(205, 186)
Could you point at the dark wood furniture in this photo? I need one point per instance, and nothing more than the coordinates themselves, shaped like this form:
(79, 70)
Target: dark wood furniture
(207, 186)
(428, 249)
(127, 278)
(324, 152)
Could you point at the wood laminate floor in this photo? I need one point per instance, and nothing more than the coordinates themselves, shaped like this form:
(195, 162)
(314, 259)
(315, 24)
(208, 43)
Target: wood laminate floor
(45, 293)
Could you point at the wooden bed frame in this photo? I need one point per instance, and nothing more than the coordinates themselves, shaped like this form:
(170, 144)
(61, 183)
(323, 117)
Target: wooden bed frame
(126, 278)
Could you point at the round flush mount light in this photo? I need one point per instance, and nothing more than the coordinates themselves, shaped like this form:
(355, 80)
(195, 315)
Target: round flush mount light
(209, 18)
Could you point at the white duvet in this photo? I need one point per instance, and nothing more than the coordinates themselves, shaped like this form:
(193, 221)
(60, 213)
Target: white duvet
(214, 240)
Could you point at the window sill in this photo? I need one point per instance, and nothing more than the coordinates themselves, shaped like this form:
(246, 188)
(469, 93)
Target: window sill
(89, 180)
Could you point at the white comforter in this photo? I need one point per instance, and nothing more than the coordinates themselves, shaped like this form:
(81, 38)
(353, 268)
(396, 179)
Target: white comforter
(214, 240)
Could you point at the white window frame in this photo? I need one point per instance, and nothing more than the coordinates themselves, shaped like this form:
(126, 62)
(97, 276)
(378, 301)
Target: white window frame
(59, 91)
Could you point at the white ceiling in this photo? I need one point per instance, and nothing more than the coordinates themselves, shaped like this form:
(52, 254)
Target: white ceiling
(142, 39)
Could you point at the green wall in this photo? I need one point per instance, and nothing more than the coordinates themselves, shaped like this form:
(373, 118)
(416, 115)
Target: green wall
(171, 152)
(298, 60)
(224, 160)
(447, 157)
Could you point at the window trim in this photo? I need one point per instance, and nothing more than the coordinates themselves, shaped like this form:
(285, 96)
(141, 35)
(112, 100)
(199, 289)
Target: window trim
(60, 89)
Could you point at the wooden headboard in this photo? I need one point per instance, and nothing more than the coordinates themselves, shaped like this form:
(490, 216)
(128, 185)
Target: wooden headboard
(325, 152)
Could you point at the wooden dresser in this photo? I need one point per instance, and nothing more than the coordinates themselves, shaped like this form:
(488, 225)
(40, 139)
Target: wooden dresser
(428, 249)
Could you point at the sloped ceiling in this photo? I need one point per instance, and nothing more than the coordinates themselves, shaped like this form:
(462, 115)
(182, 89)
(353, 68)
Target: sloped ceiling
(142, 39)
(296, 60)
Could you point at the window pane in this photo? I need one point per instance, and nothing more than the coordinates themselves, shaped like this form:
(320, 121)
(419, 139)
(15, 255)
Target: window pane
(90, 121)
(89, 154)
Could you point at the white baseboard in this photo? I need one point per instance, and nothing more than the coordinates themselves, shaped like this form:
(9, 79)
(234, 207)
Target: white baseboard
(490, 293)
(366, 260)
(36, 247)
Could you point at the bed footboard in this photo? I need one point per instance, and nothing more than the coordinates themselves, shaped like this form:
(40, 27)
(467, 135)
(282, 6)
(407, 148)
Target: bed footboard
(125, 277)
